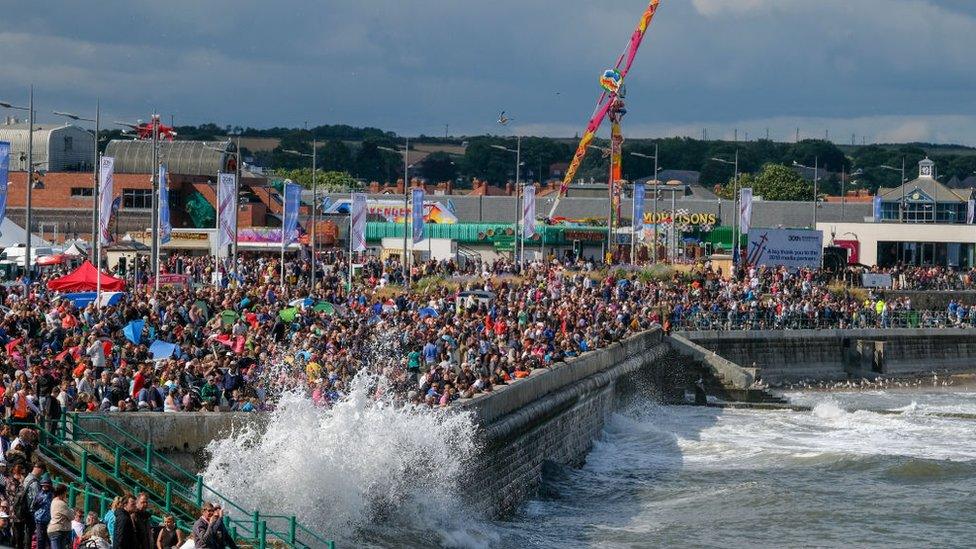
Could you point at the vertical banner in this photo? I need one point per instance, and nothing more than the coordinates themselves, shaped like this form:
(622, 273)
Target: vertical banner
(165, 225)
(105, 175)
(638, 222)
(357, 221)
(528, 212)
(745, 210)
(4, 174)
(416, 214)
(970, 211)
(289, 227)
(877, 209)
(226, 213)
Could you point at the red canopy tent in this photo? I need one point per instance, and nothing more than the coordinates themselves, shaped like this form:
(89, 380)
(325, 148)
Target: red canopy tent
(85, 279)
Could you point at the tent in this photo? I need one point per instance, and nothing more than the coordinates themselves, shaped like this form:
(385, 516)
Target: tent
(12, 234)
(85, 279)
(82, 299)
(75, 250)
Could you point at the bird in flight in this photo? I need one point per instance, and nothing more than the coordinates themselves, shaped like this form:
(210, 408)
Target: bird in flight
(503, 120)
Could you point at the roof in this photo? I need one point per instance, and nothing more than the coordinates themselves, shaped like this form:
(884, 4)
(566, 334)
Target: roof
(85, 279)
(929, 186)
(180, 157)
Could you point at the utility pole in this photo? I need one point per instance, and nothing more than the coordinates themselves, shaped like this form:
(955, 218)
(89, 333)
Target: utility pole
(155, 198)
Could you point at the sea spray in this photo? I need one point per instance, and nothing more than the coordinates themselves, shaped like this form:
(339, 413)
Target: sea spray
(365, 462)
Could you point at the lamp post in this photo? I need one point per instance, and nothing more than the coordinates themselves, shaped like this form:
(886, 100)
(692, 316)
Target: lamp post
(30, 172)
(735, 202)
(816, 180)
(406, 205)
(517, 151)
(97, 122)
(154, 179)
(314, 206)
(656, 182)
(902, 206)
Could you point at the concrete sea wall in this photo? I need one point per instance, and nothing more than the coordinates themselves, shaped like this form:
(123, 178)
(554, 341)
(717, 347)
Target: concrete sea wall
(801, 355)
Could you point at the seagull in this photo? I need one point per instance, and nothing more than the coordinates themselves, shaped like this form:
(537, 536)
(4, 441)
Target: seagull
(502, 119)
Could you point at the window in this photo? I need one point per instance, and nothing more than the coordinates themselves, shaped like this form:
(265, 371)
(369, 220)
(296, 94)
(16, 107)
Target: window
(69, 143)
(138, 199)
(82, 192)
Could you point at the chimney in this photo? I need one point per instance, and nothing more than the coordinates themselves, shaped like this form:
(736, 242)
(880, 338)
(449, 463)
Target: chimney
(508, 188)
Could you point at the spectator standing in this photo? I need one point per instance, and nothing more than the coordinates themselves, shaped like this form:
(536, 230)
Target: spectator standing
(41, 509)
(59, 529)
(125, 530)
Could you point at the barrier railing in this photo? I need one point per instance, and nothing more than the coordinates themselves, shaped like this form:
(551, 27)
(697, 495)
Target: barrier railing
(765, 320)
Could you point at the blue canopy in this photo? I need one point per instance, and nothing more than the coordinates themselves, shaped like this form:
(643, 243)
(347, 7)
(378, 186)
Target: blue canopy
(162, 349)
(82, 299)
(428, 311)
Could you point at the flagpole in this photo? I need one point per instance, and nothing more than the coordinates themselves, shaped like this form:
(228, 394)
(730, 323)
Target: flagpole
(216, 248)
(352, 202)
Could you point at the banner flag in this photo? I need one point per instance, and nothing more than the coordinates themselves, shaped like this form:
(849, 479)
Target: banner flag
(4, 174)
(106, 171)
(416, 214)
(970, 209)
(226, 213)
(877, 209)
(165, 226)
(289, 228)
(640, 192)
(745, 210)
(357, 222)
(528, 212)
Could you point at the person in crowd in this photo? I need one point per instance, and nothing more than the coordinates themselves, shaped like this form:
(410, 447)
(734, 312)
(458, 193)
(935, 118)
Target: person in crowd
(59, 528)
(125, 536)
(41, 510)
(141, 519)
(169, 536)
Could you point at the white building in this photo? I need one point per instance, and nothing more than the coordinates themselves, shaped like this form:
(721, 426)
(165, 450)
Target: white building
(56, 148)
(923, 222)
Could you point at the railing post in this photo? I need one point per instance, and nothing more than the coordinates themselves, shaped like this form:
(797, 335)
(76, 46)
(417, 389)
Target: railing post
(74, 425)
(84, 467)
(256, 518)
(118, 461)
(292, 529)
(64, 427)
(330, 544)
(149, 451)
(199, 490)
(262, 543)
(169, 496)
(102, 508)
(71, 496)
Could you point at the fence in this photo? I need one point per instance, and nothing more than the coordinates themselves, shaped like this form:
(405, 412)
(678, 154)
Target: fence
(818, 320)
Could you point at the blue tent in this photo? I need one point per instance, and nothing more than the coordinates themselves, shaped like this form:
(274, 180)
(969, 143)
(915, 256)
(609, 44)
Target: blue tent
(428, 311)
(82, 299)
(162, 349)
(133, 330)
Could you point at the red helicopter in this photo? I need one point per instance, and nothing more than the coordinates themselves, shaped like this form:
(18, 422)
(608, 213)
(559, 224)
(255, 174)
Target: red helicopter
(144, 130)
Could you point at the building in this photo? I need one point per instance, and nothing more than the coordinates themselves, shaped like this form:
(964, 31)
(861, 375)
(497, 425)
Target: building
(922, 222)
(56, 148)
(181, 157)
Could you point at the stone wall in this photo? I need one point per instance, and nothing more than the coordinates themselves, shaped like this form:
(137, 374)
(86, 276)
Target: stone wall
(553, 417)
(823, 355)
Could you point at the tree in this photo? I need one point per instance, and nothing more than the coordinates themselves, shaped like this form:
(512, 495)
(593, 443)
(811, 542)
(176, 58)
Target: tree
(325, 181)
(335, 156)
(811, 151)
(438, 167)
(774, 182)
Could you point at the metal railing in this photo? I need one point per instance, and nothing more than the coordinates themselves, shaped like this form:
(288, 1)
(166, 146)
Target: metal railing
(769, 320)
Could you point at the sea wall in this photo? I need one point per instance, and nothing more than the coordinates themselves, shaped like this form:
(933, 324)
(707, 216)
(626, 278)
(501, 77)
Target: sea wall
(823, 355)
(554, 416)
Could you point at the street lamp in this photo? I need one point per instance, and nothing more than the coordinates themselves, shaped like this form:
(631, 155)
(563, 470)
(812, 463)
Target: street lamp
(736, 245)
(406, 206)
(517, 151)
(656, 184)
(816, 180)
(30, 170)
(97, 123)
(314, 204)
(903, 206)
(154, 178)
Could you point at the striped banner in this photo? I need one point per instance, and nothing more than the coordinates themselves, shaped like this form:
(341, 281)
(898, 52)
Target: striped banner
(357, 222)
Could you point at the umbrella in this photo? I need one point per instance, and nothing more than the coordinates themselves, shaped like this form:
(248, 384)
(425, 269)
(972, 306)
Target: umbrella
(623, 282)
(133, 330)
(428, 311)
(324, 307)
(228, 316)
(202, 305)
(162, 349)
(302, 302)
(288, 315)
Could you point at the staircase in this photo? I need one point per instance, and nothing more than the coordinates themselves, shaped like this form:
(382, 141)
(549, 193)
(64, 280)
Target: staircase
(99, 460)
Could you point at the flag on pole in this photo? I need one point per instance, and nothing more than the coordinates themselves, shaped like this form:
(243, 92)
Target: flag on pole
(970, 209)
(357, 222)
(4, 173)
(165, 226)
(745, 210)
(638, 221)
(105, 174)
(417, 214)
(289, 228)
(877, 209)
(528, 212)
(227, 213)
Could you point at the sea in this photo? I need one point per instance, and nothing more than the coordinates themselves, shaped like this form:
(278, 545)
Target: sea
(880, 468)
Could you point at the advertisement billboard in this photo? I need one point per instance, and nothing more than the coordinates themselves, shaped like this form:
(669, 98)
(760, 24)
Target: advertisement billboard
(794, 248)
(394, 210)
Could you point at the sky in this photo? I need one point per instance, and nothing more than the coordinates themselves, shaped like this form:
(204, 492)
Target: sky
(867, 70)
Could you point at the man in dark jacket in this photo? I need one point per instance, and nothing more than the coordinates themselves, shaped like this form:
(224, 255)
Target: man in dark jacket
(141, 520)
(209, 531)
(124, 536)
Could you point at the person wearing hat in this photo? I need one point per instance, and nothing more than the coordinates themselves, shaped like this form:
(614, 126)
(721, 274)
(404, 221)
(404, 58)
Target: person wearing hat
(6, 532)
(41, 508)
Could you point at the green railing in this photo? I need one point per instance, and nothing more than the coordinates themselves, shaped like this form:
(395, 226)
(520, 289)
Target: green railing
(180, 492)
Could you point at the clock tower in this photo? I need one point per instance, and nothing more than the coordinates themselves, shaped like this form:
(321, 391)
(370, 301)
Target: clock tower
(926, 169)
